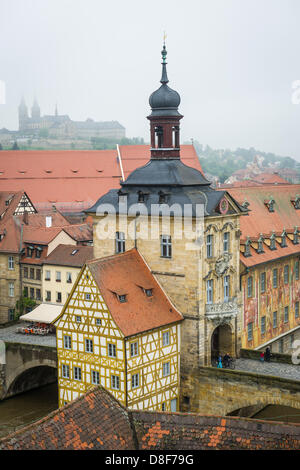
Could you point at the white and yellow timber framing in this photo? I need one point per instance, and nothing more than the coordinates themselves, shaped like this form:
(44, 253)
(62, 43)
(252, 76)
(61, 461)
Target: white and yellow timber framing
(153, 389)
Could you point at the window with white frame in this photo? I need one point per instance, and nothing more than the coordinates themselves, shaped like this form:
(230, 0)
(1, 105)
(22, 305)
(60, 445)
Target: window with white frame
(120, 242)
(112, 350)
(67, 342)
(134, 349)
(209, 246)
(69, 277)
(226, 240)
(250, 286)
(77, 373)
(48, 275)
(226, 288)
(115, 382)
(11, 262)
(286, 314)
(166, 246)
(11, 289)
(58, 276)
(135, 380)
(89, 345)
(166, 369)
(166, 338)
(65, 371)
(209, 291)
(95, 377)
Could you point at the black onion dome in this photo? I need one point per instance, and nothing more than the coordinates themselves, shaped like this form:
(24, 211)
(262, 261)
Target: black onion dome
(164, 101)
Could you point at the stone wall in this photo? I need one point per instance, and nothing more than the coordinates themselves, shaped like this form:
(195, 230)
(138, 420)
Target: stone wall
(27, 366)
(215, 391)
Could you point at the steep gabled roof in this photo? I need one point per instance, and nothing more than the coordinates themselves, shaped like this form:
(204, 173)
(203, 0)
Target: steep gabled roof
(128, 274)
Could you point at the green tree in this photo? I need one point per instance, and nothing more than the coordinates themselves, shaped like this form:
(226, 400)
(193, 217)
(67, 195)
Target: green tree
(23, 305)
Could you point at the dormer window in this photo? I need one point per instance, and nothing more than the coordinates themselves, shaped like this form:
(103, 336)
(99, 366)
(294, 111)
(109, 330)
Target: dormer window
(122, 197)
(296, 236)
(141, 197)
(260, 248)
(162, 197)
(29, 251)
(270, 205)
(296, 202)
(283, 239)
(245, 204)
(273, 242)
(148, 292)
(122, 298)
(247, 248)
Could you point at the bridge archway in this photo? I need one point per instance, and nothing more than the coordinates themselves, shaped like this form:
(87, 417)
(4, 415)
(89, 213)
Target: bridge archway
(32, 377)
(222, 341)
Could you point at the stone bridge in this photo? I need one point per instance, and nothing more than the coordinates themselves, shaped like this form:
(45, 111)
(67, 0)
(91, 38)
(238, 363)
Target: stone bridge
(209, 390)
(25, 366)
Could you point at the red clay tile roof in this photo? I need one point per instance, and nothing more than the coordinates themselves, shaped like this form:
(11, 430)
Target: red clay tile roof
(62, 255)
(42, 235)
(74, 179)
(269, 255)
(80, 232)
(270, 178)
(39, 219)
(260, 220)
(97, 421)
(128, 274)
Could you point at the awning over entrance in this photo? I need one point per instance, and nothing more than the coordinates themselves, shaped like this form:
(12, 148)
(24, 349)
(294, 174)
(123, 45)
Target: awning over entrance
(43, 313)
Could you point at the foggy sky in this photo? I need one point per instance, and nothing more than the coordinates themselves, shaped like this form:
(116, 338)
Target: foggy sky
(232, 61)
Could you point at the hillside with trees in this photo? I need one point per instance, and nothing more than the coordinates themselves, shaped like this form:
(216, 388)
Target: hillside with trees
(224, 162)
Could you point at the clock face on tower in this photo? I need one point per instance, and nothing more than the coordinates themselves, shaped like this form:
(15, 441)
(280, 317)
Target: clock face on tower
(223, 206)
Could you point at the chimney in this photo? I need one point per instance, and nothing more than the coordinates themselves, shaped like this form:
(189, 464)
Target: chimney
(48, 221)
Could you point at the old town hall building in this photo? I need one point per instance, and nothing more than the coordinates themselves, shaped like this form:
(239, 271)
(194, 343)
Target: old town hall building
(197, 267)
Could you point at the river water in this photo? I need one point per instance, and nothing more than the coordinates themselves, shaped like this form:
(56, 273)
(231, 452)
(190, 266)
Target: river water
(27, 407)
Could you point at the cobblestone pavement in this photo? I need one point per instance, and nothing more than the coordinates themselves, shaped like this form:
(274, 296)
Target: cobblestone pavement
(287, 371)
(9, 334)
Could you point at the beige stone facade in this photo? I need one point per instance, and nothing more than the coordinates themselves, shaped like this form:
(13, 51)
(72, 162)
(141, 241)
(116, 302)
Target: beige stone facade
(184, 278)
(9, 285)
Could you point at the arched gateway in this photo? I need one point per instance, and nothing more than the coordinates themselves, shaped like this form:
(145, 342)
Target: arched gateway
(222, 342)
